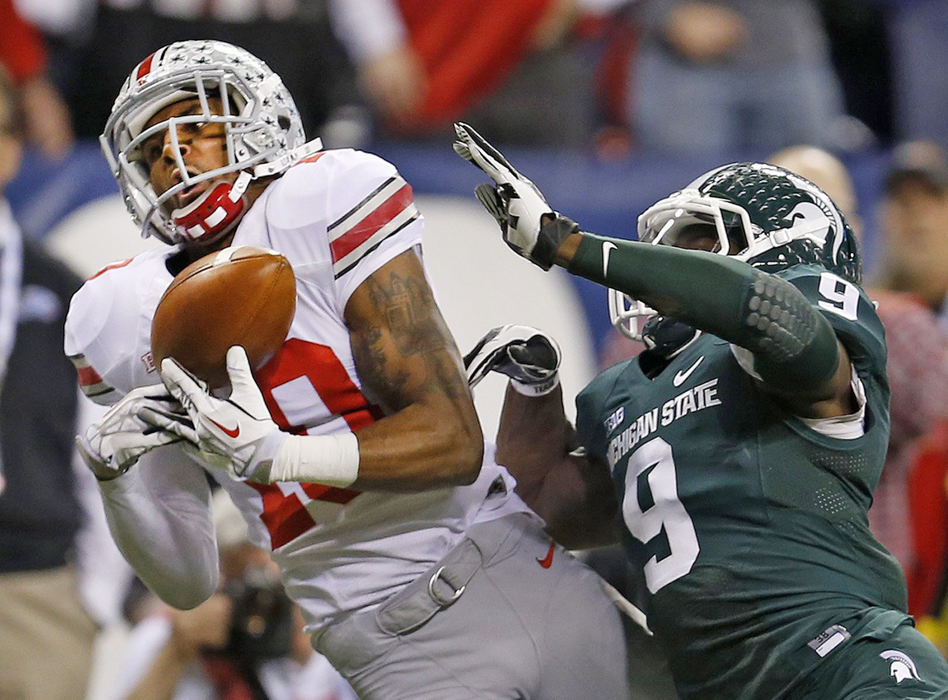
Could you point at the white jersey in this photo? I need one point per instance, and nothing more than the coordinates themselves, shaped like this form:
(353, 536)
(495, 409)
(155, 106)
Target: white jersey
(337, 217)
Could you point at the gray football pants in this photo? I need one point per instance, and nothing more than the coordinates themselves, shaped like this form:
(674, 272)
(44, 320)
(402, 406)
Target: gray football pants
(500, 616)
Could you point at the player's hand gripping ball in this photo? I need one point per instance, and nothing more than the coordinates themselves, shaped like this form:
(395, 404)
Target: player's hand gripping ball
(235, 296)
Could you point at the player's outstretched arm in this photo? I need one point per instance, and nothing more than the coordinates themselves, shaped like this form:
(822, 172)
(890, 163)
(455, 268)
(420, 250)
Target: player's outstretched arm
(800, 361)
(794, 351)
(155, 498)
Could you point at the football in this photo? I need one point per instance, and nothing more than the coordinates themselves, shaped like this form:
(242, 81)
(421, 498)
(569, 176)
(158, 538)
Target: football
(235, 296)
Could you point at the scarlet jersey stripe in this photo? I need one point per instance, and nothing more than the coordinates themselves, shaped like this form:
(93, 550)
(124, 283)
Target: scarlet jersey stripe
(394, 227)
(113, 266)
(388, 209)
(391, 207)
(90, 382)
(311, 159)
(88, 376)
(341, 222)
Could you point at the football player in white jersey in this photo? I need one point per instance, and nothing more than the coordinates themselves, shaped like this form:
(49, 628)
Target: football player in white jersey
(355, 453)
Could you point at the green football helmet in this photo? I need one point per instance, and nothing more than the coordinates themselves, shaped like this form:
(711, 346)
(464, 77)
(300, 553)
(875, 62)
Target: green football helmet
(762, 214)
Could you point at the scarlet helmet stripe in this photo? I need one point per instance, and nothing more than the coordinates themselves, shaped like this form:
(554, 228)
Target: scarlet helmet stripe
(144, 68)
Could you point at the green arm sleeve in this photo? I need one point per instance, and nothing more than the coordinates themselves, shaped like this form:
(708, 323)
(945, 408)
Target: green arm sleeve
(794, 347)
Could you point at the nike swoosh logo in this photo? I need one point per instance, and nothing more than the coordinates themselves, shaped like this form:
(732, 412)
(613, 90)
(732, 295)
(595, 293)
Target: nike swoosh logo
(547, 561)
(229, 432)
(682, 375)
(607, 248)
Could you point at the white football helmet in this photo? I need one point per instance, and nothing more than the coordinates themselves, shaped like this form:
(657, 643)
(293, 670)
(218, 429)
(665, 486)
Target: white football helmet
(263, 131)
(762, 214)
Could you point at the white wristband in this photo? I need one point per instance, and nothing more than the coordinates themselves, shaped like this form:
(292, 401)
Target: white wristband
(539, 388)
(323, 459)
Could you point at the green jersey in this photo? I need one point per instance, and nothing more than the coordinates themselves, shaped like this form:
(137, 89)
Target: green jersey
(748, 525)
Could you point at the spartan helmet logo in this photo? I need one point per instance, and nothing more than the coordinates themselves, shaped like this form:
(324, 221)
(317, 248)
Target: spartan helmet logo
(810, 220)
(901, 666)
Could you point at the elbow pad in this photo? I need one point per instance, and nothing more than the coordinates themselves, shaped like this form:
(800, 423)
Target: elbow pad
(793, 346)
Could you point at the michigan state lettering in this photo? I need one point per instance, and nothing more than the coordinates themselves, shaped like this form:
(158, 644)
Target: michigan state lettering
(695, 399)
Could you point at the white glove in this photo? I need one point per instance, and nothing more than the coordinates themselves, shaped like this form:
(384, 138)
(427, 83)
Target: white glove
(111, 446)
(527, 222)
(528, 356)
(234, 434)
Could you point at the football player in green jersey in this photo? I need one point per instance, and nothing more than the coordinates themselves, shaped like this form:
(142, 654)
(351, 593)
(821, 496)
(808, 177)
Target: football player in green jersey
(743, 444)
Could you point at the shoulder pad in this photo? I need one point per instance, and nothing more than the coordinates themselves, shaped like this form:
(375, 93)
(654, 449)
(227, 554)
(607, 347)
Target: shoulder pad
(361, 199)
(108, 326)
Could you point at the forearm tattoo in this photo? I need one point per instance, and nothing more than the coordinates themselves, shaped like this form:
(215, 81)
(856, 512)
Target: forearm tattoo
(409, 325)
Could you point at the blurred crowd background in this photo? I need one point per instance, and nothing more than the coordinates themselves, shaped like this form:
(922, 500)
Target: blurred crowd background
(607, 105)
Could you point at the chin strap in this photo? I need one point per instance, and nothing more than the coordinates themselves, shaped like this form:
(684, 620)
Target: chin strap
(211, 214)
(667, 337)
